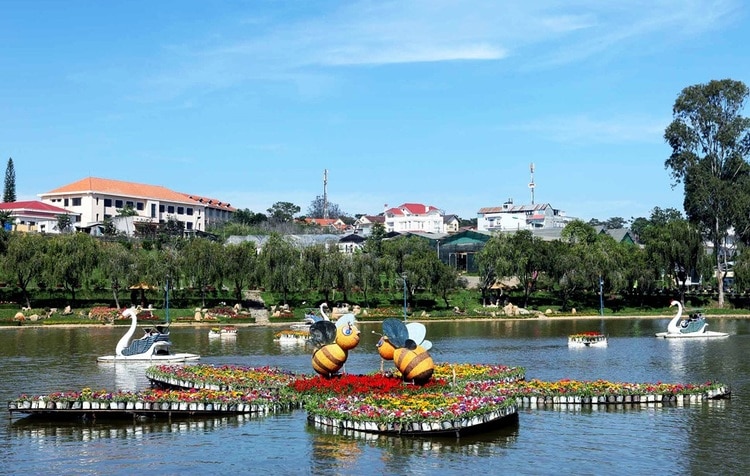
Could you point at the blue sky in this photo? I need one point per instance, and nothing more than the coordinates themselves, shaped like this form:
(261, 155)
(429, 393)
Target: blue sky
(437, 102)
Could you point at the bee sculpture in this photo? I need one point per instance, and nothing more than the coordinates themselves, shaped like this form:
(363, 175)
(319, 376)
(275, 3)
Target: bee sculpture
(409, 349)
(333, 343)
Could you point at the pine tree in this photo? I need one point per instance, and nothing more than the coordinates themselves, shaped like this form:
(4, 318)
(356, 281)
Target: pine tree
(9, 194)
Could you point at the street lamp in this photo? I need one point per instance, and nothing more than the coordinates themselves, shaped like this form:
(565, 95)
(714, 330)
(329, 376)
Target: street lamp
(166, 298)
(403, 276)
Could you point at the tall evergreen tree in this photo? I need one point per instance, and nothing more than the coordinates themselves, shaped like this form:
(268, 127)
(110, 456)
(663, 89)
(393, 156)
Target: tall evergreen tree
(9, 194)
(710, 140)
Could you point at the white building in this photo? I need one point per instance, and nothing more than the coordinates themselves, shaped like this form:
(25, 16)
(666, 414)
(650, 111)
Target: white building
(510, 217)
(414, 217)
(33, 215)
(93, 200)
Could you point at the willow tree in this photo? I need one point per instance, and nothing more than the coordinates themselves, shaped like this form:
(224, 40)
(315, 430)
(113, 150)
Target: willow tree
(677, 247)
(71, 259)
(117, 264)
(202, 264)
(710, 141)
(279, 264)
(25, 259)
(241, 266)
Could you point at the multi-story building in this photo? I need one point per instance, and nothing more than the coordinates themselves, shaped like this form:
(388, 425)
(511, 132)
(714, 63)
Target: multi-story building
(510, 217)
(414, 217)
(93, 200)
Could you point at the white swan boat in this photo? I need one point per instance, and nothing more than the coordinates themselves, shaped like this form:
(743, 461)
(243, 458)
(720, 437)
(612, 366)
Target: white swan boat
(693, 327)
(587, 339)
(154, 346)
(311, 318)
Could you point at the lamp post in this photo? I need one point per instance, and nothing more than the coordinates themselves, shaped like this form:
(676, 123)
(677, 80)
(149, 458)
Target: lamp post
(166, 291)
(403, 276)
(601, 296)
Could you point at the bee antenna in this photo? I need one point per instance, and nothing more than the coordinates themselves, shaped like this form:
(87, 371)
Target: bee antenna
(377, 333)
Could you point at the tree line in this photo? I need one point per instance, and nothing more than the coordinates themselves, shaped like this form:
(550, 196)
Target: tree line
(583, 263)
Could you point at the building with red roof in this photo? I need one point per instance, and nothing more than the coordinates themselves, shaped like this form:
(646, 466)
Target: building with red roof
(93, 200)
(414, 217)
(33, 215)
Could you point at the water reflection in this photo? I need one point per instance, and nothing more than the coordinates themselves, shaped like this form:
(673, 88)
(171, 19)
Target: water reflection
(62, 432)
(345, 451)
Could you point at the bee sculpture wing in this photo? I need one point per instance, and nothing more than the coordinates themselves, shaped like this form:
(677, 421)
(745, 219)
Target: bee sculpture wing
(426, 345)
(322, 332)
(344, 320)
(396, 331)
(417, 331)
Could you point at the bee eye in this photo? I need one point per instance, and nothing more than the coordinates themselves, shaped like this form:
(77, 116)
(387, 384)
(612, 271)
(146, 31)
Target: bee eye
(347, 331)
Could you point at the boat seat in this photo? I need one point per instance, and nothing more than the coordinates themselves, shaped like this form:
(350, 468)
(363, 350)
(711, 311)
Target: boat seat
(140, 346)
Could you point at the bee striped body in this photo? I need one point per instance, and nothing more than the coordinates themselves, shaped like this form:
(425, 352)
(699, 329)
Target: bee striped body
(329, 359)
(415, 365)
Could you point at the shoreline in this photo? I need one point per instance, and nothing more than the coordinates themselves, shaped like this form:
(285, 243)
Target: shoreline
(541, 317)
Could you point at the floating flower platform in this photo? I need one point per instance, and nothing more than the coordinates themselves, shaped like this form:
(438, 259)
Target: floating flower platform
(151, 403)
(459, 399)
(435, 427)
(226, 331)
(221, 377)
(587, 339)
(601, 392)
(292, 336)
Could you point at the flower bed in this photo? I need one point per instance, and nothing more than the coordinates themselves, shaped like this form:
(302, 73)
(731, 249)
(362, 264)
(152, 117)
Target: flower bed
(475, 372)
(223, 377)
(292, 335)
(586, 335)
(460, 398)
(192, 401)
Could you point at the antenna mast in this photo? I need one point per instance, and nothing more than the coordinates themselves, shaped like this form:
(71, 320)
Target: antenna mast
(325, 193)
(531, 184)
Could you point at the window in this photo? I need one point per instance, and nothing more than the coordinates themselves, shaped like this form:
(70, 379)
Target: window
(65, 202)
(118, 203)
(139, 206)
(189, 225)
(153, 210)
(76, 202)
(130, 204)
(189, 211)
(180, 210)
(107, 202)
(161, 208)
(170, 209)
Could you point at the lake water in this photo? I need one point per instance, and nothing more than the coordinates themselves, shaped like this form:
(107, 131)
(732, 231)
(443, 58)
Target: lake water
(706, 438)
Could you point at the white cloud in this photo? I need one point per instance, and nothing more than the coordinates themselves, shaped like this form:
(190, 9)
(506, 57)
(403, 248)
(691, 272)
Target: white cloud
(584, 129)
(539, 34)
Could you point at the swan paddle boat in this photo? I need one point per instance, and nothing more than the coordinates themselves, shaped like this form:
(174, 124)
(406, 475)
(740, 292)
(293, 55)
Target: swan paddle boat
(587, 339)
(693, 327)
(154, 346)
(311, 318)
